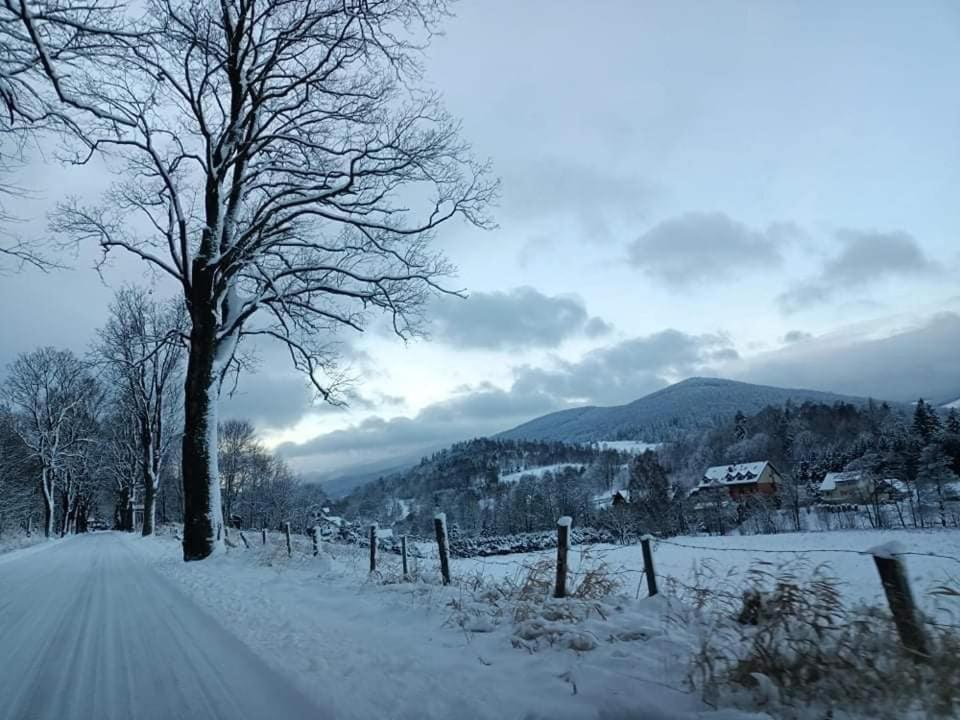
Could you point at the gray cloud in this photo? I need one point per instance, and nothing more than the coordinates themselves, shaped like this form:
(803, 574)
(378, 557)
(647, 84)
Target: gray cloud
(918, 362)
(699, 246)
(594, 197)
(796, 336)
(627, 370)
(520, 318)
(275, 395)
(614, 375)
(268, 401)
(865, 258)
(480, 410)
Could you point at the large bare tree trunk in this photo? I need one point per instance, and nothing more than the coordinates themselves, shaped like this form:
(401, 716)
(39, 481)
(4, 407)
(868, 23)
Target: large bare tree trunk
(149, 502)
(47, 487)
(150, 478)
(202, 512)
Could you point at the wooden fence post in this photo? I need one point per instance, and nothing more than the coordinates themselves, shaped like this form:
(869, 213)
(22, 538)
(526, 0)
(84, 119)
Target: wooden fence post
(648, 570)
(563, 545)
(373, 548)
(286, 529)
(263, 535)
(893, 576)
(403, 554)
(30, 526)
(244, 538)
(440, 526)
(316, 541)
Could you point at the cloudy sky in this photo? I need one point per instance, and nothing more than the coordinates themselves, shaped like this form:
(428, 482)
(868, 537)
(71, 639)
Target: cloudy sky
(763, 191)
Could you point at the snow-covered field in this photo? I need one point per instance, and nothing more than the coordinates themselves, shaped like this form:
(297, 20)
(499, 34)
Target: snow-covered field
(371, 646)
(539, 471)
(723, 562)
(635, 447)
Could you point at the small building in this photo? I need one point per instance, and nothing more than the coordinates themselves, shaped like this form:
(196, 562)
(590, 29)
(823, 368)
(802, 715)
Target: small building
(611, 498)
(858, 487)
(329, 525)
(741, 480)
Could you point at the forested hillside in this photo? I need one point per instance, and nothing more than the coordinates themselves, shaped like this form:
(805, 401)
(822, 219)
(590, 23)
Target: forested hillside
(693, 404)
(499, 486)
(466, 482)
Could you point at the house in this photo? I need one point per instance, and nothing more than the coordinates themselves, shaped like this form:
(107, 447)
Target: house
(329, 525)
(741, 480)
(611, 498)
(856, 487)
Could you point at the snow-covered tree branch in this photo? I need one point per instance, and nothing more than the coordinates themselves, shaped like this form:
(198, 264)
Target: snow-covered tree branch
(288, 174)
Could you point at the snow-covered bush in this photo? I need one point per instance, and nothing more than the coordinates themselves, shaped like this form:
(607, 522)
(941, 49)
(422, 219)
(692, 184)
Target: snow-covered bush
(524, 542)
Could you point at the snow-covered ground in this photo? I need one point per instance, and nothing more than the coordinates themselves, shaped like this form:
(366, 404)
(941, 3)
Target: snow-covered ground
(723, 562)
(635, 447)
(17, 541)
(372, 647)
(491, 645)
(539, 471)
(90, 631)
(375, 647)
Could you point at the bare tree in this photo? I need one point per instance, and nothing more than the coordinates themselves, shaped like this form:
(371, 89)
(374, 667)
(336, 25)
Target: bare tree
(120, 458)
(42, 43)
(142, 348)
(291, 177)
(52, 389)
(241, 459)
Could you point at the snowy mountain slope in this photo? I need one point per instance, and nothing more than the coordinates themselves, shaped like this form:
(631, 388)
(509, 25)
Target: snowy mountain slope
(538, 471)
(690, 404)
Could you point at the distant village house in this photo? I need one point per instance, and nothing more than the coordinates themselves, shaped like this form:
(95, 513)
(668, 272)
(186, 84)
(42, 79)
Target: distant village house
(856, 486)
(741, 480)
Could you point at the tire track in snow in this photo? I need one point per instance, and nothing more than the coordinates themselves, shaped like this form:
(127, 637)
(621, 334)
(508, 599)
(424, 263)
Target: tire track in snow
(88, 631)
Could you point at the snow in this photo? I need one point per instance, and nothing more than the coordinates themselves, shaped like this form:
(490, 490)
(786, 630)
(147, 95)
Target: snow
(91, 631)
(565, 521)
(734, 474)
(605, 499)
(932, 559)
(635, 447)
(888, 550)
(362, 648)
(831, 479)
(954, 404)
(253, 633)
(20, 545)
(539, 472)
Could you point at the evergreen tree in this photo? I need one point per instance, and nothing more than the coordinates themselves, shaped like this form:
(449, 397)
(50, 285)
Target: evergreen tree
(926, 423)
(933, 476)
(740, 426)
(650, 494)
(953, 422)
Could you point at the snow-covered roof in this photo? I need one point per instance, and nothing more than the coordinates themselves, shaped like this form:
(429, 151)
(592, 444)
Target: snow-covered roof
(739, 474)
(832, 479)
(847, 477)
(605, 499)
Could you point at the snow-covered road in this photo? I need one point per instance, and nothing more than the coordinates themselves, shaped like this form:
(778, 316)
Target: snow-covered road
(88, 630)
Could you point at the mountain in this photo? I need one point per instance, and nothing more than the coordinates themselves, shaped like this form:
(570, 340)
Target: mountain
(339, 483)
(692, 404)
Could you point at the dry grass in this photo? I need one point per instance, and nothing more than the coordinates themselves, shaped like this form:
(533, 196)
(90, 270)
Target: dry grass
(786, 643)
